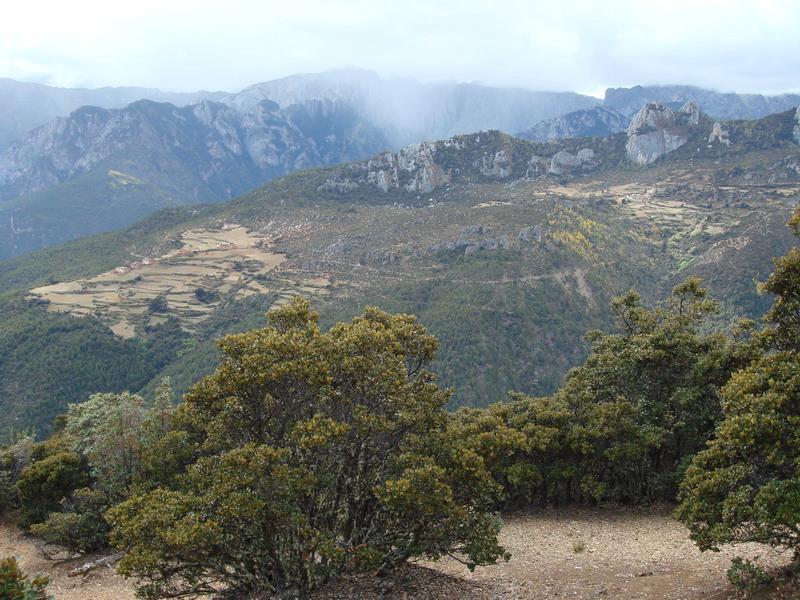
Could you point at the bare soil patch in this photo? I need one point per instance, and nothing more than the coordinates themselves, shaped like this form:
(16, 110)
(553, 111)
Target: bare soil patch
(556, 553)
(611, 553)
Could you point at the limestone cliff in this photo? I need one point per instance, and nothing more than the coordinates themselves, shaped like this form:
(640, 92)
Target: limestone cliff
(657, 130)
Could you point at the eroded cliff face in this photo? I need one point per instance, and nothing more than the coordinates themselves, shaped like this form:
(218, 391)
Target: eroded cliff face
(797, 125)
(657, 130)
(224, 149)
(422, 168)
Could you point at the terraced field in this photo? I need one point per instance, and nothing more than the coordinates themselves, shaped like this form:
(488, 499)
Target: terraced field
(210, 267)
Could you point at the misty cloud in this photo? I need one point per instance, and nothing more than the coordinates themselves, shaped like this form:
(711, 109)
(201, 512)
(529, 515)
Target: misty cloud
(555, 45)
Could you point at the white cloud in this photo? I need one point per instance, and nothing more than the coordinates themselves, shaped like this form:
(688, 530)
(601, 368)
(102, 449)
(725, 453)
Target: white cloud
(565, 44)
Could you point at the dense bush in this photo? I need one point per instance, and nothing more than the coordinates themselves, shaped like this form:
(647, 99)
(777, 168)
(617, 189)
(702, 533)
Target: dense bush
(746, 485)
(312, 453)
(46, 482)
(624, 424)
(13, 460)
(108, 444)
(81, 525)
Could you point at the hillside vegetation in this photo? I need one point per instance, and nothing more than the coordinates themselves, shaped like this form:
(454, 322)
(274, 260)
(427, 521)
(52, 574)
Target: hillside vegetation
(508, 251)
(311, 457)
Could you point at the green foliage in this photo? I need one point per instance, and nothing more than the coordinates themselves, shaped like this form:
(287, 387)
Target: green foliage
(48, 360)
(625, 422)
(746, 485)
(158, 304)
(117, 439)
(783, 332)
(8, 492)
(108, 431)
(311, 452)
(46, 482)
(15, 584)
(13, 460)
(745, 575)
(81, 524)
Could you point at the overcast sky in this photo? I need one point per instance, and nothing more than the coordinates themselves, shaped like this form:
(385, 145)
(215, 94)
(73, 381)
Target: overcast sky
(585, 46)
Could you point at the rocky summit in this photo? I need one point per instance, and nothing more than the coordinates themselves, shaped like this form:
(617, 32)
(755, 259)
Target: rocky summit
(657, 130)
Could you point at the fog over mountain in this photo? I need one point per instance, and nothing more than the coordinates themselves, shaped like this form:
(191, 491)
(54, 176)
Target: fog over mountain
(96, 168)
(583, 45)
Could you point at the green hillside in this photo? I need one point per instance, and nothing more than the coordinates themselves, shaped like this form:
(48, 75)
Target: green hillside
(508, 268)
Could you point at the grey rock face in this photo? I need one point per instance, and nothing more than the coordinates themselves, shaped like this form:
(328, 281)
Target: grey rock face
(719, 135)
(415, 166)
(563, 162)
(797, 125)
(475, 230)
(657, 130)
(226, 152)
(498, 165)
(408, 111)
(530, 234)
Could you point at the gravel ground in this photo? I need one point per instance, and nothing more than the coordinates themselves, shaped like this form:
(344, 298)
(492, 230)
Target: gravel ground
(556, 553)
(612, 553)
(101, 584)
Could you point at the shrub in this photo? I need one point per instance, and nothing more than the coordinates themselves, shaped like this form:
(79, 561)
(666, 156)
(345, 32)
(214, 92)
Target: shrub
(312, 452)
(745, 486)
(158, 305)
(744, 575)
(45, 483)
(81, 526)
(8, 492)
(624, 423)
(15, 585)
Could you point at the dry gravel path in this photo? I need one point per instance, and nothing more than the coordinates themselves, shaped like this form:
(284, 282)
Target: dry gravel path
(624, 554)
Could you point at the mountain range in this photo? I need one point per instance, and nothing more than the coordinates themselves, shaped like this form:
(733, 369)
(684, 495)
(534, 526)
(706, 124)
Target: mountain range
(103, 167)
(508, 250)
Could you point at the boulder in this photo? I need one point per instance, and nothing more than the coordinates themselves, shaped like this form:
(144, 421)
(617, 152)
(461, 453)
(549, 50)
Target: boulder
(719, 135)
(797, 125)
(497, 165)
(531, 234)
(563, 162)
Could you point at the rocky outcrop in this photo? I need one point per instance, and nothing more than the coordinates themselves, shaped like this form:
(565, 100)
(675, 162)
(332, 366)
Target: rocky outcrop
(719, 135)
(413, 169)
(531, 234)
(561, 163)
(797, 125)
(564, 162)
(497, 165)
(657, 130)
(467, 243)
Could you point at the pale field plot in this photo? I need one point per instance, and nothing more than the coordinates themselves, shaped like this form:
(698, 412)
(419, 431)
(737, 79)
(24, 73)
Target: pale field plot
(217, 263)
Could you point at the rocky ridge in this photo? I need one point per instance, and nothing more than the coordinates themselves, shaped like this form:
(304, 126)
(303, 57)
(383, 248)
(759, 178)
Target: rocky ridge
(423, 168)
(657, 130)
(720, 105)
(596, 121)
(226, 151)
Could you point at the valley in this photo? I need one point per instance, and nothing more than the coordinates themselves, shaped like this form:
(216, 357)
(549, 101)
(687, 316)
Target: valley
(508, 251)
